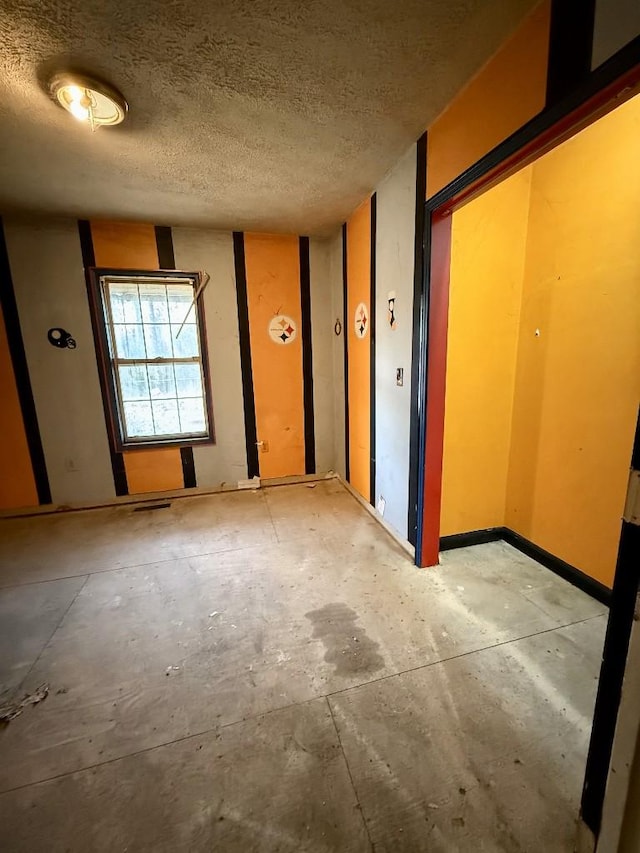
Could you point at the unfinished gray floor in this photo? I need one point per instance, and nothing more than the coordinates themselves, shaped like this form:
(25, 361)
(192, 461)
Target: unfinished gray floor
(265, 671)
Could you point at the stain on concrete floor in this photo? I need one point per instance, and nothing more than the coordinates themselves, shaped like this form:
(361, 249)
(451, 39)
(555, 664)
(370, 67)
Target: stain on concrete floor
(347, 645)
(253, 741)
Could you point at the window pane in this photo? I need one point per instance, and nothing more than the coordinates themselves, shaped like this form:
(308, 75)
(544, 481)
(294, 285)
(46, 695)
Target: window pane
(125, 304)
(186, 345)
(180, 298)
(153, 298)
(165, 416)
(158, 340)
(188, 380)
(133, 382)
(129, 341)
(192, 415)
(161, 381)
(139, 419)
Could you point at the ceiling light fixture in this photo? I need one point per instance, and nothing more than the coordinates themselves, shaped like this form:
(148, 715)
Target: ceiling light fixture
(89, 100)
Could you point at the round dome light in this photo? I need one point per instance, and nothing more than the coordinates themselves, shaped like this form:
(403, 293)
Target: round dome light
(89, 100)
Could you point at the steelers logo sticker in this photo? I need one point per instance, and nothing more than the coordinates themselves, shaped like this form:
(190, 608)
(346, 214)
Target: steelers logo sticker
(361, 320)
(282, 329)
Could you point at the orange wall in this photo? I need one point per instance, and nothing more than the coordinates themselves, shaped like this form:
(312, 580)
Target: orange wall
(508, 92)
(131, 245)
(273, 288)
(487, 267)
(17, 483)
(578, 382)
(359, 290)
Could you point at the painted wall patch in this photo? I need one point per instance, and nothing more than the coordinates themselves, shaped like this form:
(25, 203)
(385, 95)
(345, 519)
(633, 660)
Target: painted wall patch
(361, 320)
(282, 329)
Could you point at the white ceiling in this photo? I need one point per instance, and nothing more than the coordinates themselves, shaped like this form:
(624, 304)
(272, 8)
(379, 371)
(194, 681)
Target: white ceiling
(270, 115)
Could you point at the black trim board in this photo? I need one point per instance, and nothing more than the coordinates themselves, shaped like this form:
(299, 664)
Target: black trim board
(89, 260)
(188, 467)
(614, 660)
(418, 298)
(605, 75)
(251, 435)
(626, 585)
(167, 261)
(372, 355)
(570, 46)
(307, 358)
(164, 246)
(559, 567)
(345, 333)
(472, 537)
(422, 388)
(21, 373)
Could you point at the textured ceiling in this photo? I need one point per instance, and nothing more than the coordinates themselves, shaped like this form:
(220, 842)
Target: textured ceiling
(269, 115)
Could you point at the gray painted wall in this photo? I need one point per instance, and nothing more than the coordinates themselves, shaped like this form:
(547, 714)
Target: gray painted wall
(199, 249)
(395, 231)
(321, 334)
(617, 22)
(337, 351)
(49, 284)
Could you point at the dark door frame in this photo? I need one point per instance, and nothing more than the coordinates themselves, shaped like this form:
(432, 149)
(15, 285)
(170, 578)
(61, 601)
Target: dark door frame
(602, 91)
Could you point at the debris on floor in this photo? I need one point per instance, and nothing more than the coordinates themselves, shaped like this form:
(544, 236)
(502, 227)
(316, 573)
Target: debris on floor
(14, 709)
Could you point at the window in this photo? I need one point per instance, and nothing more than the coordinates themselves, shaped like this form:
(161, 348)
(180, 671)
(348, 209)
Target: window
(151, 335)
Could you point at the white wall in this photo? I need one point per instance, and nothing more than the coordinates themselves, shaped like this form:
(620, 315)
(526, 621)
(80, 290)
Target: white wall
(395, 232)
(617, 22)
(49, 284)
(199, 249)
(322, 347)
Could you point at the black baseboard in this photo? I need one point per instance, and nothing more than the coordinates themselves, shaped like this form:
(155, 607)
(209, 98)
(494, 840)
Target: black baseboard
(473, 537)
(570, 573)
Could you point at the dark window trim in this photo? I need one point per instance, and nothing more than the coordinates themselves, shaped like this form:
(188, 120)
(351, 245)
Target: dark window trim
(104, 362)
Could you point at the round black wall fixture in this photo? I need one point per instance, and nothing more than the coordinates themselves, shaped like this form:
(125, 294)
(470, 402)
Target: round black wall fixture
(60, 338)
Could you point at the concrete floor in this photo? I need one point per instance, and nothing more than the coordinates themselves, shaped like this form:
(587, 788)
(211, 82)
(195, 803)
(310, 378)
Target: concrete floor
(263, 671)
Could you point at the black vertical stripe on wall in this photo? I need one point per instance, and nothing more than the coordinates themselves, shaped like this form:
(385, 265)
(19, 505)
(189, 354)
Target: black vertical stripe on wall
(626, 586)
(167, 261)
(89, 260)
(307, 358)
(164, 245)
(251, 435)
(570, 46)
(21, 373)
(372, 355)
(345, 333)
(188, 467)
(418, 298)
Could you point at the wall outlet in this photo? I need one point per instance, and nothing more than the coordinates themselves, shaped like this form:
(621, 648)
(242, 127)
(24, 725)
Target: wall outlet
(400, 376)
(381, 505)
